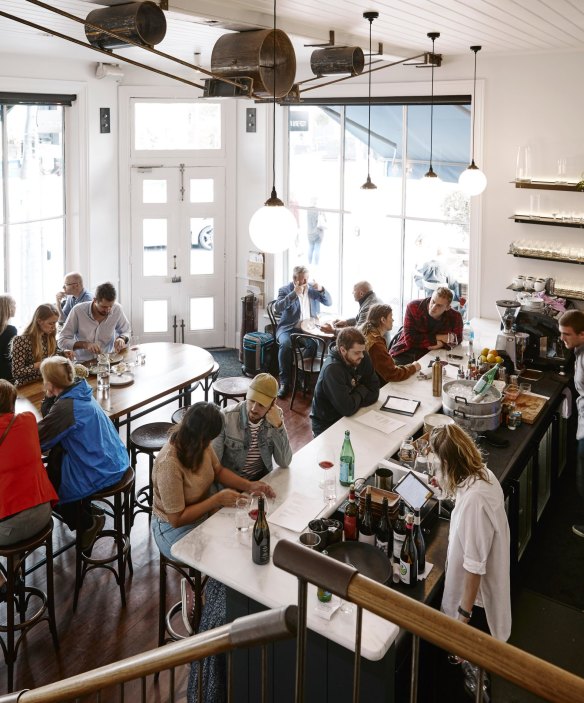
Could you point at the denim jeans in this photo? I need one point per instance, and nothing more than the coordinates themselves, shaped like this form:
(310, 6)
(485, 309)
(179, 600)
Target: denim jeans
(165, 535)
(285, 354)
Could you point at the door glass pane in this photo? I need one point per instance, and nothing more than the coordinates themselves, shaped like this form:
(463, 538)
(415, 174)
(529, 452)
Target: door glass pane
(154, 240)
(202, 245)
(35, 156)
(154, 191)
(169, 126)
(155, 316)
(315, 154)
(36, 265)
(201, 190)
(202, 314)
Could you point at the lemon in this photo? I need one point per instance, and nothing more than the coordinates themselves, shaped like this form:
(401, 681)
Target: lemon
(485, 352)
(482, 359)
(491, 358)
(499, 359)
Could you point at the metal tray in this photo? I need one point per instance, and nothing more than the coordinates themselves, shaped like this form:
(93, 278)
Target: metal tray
(367, 559)
(530, 375)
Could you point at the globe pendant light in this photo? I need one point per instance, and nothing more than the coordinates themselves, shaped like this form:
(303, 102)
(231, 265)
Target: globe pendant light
(431, 177)
(273, 227)
(472, 180)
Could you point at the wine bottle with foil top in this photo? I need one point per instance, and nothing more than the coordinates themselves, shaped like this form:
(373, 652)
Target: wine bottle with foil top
(420, 542)
(399, 532)
(384, 533)
(408, 558)
(260, 544)
(351, 518)
(366, 524)
(347, 462)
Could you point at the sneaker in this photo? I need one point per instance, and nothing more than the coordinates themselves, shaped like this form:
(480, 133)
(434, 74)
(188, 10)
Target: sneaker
(188, 605)
(96, 510)
(283, 390)
(89, 536)
(471, 677)
(578, 530)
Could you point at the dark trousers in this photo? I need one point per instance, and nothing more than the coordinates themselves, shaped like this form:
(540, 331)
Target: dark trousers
(70, 512)
(285, 353)
(580, 468)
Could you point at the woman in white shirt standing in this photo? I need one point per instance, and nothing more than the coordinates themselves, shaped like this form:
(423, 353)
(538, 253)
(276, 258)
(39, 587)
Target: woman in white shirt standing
(477, 583)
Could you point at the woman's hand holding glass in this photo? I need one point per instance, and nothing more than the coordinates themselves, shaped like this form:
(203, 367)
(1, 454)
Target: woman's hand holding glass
(226, 498)
(261, 487)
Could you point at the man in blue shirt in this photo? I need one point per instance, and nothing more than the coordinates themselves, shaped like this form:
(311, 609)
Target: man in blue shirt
(73, 292)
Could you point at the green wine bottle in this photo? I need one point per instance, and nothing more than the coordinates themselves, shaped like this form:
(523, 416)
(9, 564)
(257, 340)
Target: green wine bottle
(347, 462)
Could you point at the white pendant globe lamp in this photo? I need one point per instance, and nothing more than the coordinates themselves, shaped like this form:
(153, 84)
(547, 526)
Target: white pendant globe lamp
(472, 180)
(431, 177)
(273, 227)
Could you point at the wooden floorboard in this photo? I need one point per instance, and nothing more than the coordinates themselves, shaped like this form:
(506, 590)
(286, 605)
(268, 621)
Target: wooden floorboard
(101, 631)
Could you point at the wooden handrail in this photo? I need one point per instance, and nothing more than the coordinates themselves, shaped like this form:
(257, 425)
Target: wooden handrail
(526, 670)
(248, 631)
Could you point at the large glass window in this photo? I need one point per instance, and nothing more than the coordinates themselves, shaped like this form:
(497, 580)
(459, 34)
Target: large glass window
(419, 237)
(32, 205)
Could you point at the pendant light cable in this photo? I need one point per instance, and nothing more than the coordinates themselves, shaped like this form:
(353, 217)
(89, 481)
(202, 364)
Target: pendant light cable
(368, 185)
(431, 174)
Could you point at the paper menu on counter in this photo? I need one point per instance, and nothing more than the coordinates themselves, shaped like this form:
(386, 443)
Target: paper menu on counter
(292, 514)
(379, 421)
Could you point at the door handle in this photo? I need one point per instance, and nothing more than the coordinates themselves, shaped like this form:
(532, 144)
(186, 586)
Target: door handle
(182, 330)
(175, 278)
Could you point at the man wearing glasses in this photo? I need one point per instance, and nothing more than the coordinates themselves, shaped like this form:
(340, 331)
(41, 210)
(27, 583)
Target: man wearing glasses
(73, 292)
(96, 327)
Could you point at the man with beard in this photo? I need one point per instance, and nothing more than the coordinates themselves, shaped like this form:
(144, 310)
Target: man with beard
(346, 383)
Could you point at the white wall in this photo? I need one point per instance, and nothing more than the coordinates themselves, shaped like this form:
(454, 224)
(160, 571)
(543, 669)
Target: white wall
(533, 100)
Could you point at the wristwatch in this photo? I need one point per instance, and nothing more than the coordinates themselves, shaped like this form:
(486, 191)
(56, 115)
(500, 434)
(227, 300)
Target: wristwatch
(464, 613)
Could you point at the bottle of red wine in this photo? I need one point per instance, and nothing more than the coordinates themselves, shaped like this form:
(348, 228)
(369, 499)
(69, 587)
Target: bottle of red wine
(366, 524)
(420, 543)
(399, 532)
(383, 533)
(408, 559)
(260, 544)
(351, 519)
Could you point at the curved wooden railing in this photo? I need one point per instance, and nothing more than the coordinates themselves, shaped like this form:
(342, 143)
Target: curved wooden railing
(249, 631)
(523, 669)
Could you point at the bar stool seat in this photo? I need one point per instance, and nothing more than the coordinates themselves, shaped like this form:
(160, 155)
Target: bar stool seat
(19, 595)
(210, 379)
(178, 415)
(230, 388)
(118, 499)
(166, 629)
(147, 439)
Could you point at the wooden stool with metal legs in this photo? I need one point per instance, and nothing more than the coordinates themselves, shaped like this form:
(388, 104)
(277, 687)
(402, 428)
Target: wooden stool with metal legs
(147, 439)
(19, 595)
(231, 388)
(166, 630)
(118, 502)
(209, 380)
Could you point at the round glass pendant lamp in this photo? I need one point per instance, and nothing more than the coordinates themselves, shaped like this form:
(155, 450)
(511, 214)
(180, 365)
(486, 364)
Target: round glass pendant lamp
(431, 178)
(472, 180)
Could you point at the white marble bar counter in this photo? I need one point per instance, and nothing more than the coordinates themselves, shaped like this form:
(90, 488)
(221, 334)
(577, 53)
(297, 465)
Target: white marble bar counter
(217, 550)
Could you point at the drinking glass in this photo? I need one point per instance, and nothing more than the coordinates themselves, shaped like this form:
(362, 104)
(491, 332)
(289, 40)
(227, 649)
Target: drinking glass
(133, 355)
(407, 451)
(326, 461)
(452, 340)
(421, 463)
(103, 372)
(523, 168)
(562, 170)
(242, 523)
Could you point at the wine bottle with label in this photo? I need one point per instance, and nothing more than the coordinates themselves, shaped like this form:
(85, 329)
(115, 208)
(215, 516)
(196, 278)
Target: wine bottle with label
(322, 594)
(399, 532)
(351, 518)
(383, 533)
(408, 559)
(367, 524)
(420, 543)
(347, 463)
(260, 544)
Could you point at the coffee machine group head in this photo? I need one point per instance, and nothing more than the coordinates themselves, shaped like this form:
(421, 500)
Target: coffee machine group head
(506, 341)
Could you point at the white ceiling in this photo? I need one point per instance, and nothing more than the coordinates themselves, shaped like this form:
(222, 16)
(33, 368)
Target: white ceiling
(500, 26)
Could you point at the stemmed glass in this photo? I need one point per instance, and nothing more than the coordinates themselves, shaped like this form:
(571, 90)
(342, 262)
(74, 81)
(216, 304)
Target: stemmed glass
(421, 463)
(407, 451)
(133, 346)
(253, 504)
(326, 461)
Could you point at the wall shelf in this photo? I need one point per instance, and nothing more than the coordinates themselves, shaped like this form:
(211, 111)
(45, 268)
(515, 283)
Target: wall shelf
(551, 221)
(548, 258)
(547, 185)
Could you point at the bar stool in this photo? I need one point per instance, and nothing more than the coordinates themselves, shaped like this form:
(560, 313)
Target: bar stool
(147, 439)
(118, 499)
(209, 379)
(178, 415)
(166, 630)
(18, 596)
(231, 388)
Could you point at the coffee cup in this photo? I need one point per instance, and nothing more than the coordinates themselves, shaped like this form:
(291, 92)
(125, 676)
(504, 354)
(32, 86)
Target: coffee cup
(310, 540)
(539, 284)
(519, 281)
(529, 283)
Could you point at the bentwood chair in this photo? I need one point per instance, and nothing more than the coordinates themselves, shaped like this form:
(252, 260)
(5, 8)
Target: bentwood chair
(308, 353)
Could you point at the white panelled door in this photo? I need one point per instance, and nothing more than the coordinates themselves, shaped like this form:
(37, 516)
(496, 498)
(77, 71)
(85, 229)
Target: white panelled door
(178, 247)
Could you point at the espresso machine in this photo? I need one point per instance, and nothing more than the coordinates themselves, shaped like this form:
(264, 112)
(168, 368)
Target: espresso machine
(545, 349)
(506, 341)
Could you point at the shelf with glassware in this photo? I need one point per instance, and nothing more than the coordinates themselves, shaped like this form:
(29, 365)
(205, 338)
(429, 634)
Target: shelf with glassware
(548, 185)
(553, 221)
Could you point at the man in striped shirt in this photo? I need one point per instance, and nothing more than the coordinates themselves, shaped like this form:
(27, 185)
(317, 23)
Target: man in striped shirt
(253, 434)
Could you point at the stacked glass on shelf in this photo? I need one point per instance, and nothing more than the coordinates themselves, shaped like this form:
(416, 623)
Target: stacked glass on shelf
(546, 249)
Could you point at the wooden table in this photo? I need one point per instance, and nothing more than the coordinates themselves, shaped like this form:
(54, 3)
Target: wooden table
(171, 371)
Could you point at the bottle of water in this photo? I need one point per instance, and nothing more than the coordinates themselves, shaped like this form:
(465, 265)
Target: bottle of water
(468, 336)
(484, 383)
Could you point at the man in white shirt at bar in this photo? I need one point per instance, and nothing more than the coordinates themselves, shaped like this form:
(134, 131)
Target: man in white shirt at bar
(96, 327)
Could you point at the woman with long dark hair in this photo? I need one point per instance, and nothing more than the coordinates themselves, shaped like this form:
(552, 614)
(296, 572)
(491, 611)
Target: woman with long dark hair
(379, 322)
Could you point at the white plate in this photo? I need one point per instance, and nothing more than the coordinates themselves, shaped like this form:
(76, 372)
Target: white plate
(123, 379)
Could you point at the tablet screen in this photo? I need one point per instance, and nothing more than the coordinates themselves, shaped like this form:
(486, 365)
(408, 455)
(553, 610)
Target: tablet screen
(413, 490)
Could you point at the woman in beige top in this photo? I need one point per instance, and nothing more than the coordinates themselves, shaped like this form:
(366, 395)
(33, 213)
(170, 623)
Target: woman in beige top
(184, 475)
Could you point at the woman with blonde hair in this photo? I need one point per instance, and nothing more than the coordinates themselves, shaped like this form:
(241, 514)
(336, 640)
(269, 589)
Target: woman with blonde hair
(7, 332)
(93, 455)
(477, 582)
(37, 342)
(379, 322)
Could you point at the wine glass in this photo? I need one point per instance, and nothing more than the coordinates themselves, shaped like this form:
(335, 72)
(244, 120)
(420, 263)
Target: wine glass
(254, 502)
(326, 461)
(133, 346)
(421, 463)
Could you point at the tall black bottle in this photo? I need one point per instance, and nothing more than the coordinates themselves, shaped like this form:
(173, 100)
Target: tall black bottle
(260, 542)
(420, 543)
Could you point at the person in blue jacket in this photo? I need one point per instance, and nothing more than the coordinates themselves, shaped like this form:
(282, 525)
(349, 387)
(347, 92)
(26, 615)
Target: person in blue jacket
(296, 301)
(91, 455)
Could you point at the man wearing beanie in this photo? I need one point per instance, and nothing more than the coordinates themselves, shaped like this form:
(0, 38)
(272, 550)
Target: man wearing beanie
(253, 434)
